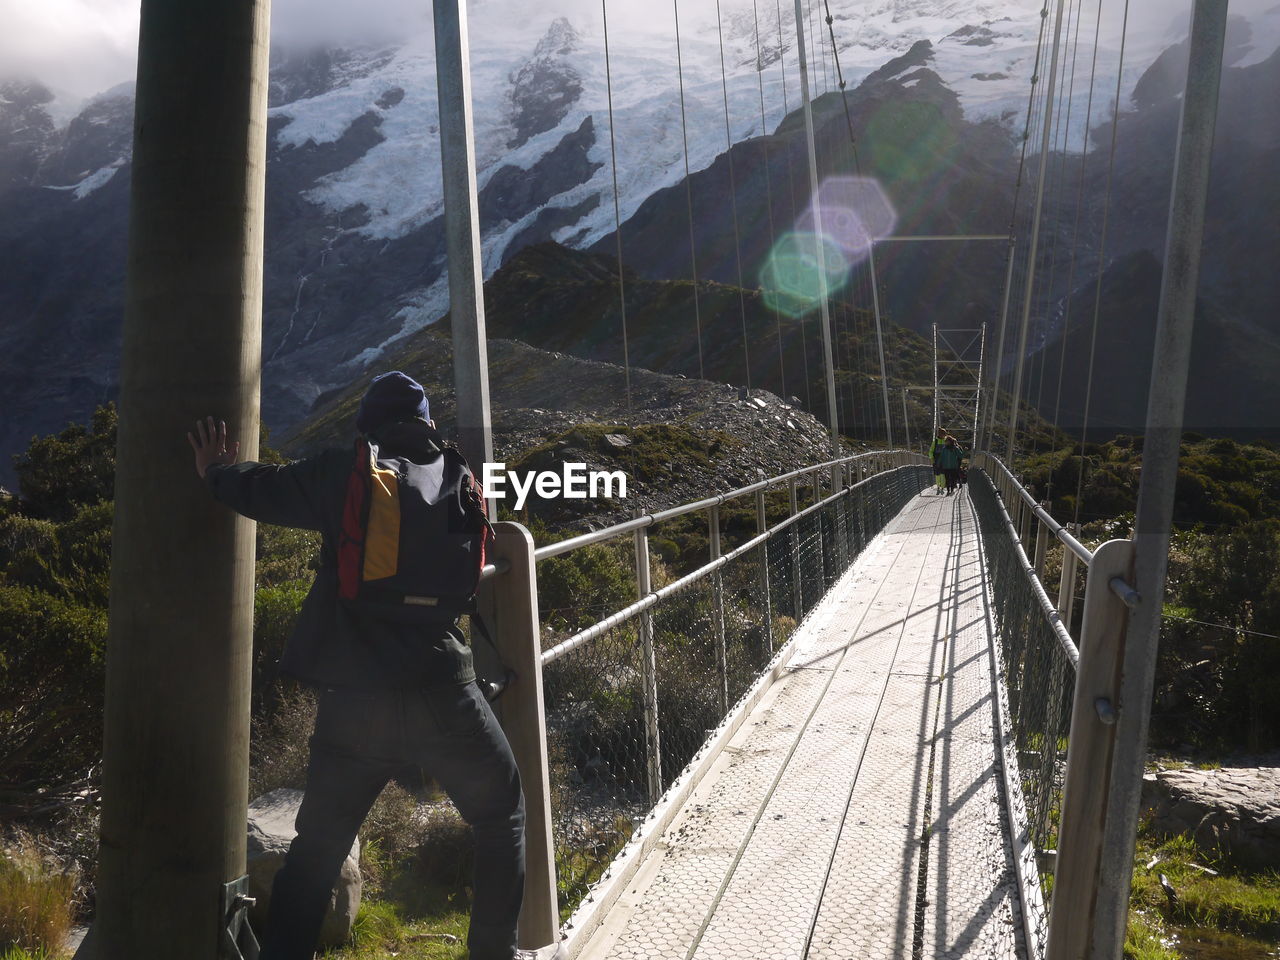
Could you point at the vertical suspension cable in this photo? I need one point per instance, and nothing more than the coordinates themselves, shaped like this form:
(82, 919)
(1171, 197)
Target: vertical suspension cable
(1013, 274)
(768, 184)
(733, 201)
(1061, 141)
(617, 216)
(1102, 246)
(1075, 231)
(1035, 236)
(795, 206)
(871, 251)
(688, 193)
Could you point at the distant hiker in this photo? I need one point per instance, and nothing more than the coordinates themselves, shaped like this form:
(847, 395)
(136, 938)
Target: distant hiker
(939, 478)
(397, 691)
(949, 459)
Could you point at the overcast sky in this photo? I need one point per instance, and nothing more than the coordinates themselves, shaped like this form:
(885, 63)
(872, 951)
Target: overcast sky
(81, 47)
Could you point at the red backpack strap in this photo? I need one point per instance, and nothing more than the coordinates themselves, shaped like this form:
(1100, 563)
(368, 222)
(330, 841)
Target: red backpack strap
(354, 510)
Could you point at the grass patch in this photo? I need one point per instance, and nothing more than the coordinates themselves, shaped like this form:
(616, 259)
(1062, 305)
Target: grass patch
(1225, 899)
(36, 901)
(1146, 938)
(385, 928)
(417, 871)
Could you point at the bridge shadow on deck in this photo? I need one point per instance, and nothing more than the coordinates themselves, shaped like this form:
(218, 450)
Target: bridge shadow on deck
(857, 812)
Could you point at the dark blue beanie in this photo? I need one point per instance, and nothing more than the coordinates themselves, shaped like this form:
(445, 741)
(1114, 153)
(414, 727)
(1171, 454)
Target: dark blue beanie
(391, 397)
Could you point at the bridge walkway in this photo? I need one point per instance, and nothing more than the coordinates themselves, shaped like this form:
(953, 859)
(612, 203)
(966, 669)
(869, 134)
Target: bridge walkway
(858, 811)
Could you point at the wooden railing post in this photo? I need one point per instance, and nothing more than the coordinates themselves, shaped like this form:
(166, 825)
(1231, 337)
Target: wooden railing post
(509, 602)
(762, 525)
(797, 597)
(1042, 543)
(1067, 583)
(1085, 789)
(717, 601)
(648, 671)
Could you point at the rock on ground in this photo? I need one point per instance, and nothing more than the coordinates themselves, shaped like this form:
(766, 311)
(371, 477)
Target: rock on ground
(271, 818)
(1235, 810)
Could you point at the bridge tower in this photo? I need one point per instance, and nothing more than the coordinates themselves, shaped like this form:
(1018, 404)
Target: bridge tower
(957, 381)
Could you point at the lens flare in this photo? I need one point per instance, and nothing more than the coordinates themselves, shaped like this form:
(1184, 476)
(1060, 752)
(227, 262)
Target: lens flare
(910, 143)
(855, 213)
(793, 273)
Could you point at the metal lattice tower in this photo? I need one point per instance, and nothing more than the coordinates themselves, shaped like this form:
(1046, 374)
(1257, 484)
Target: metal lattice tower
(957, 381)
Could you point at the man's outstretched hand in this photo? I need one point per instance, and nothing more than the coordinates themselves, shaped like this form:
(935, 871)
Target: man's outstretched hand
(210, 444)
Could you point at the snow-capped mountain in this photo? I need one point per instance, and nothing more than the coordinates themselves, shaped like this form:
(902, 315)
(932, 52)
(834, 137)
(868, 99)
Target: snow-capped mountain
(355, 253)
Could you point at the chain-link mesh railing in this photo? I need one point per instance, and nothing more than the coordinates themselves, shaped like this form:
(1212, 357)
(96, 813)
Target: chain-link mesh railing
(1037, 661)
(632, 699)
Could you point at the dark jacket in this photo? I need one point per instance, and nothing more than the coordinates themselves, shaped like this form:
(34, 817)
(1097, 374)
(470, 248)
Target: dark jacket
(330, 646)
(949, 457)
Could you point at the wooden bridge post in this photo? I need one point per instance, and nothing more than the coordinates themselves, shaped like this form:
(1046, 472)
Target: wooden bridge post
(1089, 751)
(510, 605)
(648, 671)
(179, 642)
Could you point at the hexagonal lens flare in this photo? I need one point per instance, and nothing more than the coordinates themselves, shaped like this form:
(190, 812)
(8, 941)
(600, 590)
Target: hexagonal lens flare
(793, 273)
(855, 213)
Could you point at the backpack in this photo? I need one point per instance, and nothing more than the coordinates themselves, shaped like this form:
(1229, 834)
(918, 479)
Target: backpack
(413, 536)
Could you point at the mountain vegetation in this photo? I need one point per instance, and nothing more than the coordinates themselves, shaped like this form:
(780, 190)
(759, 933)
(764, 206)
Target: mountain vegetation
(1218, 682)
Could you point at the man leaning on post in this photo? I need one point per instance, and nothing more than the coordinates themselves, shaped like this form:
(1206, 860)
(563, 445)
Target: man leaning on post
(396, 700)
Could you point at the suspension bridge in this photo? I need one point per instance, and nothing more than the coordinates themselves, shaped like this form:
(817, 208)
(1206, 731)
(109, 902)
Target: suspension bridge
(863, 728)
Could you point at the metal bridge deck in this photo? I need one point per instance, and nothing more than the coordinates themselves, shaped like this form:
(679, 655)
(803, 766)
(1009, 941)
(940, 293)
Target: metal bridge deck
(857, 812)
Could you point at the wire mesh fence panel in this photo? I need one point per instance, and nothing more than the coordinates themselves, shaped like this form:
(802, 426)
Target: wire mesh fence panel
(1038, 674)
(596, 748)
(713, 634)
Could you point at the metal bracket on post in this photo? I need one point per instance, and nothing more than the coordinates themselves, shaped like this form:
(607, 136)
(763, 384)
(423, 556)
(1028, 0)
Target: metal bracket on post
(648, 671)
(237, 939)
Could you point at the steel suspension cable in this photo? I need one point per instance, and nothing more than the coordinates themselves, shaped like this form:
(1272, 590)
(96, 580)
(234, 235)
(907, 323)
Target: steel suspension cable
(688, 193)
(1034, 240)
(1075, 230)
(733, 201)
(795, 206)
(768, 183)
(617, 216)
(998, 369)
(1061, 138)
(871, 247)
(1102, 246)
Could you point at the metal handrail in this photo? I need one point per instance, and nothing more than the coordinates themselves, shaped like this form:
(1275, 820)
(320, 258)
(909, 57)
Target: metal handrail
(1046, 605)
(649, 519)
(1054, 527)
(553, 654)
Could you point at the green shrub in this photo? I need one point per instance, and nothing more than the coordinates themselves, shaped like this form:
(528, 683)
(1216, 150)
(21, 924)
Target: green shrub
(279, 745)
(62, 472)
(51, 680)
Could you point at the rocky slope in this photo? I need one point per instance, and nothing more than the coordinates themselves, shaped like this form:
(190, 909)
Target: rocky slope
(677, 439)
